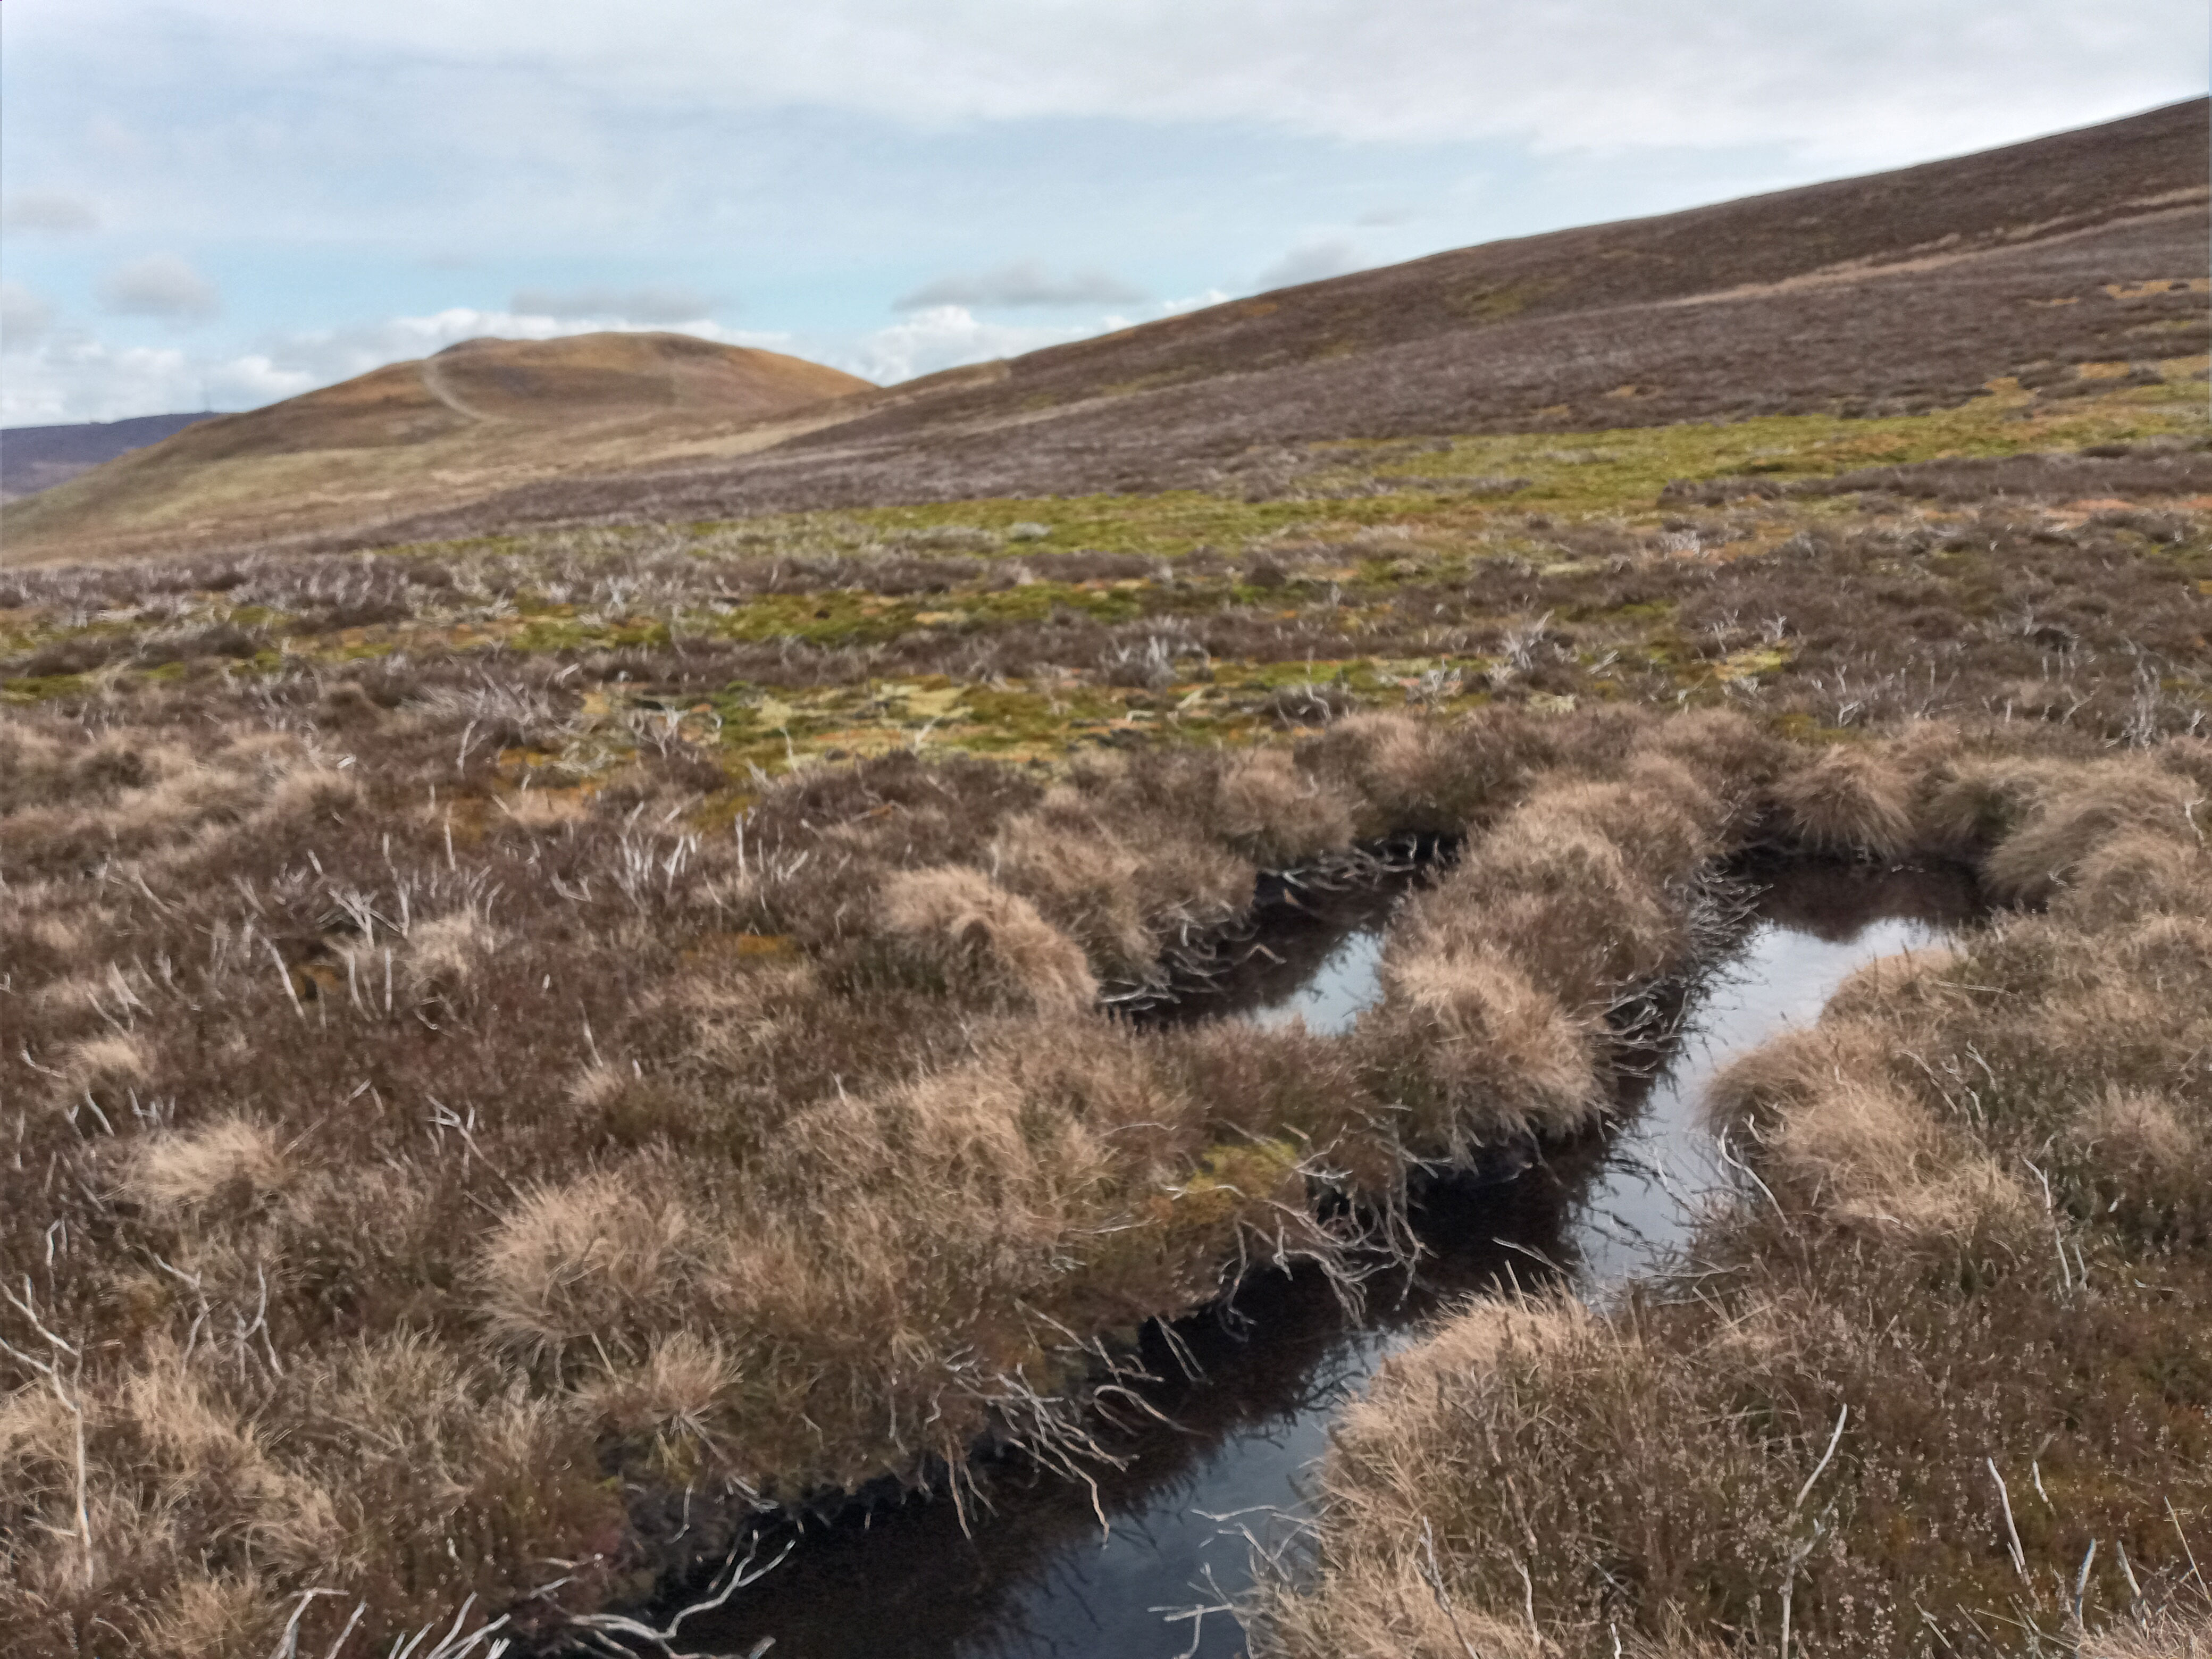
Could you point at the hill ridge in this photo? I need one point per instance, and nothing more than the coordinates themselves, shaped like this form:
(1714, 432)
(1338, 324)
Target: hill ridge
(424, 433)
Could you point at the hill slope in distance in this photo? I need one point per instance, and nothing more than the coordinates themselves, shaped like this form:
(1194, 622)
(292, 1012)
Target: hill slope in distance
(428, 434)
(1915, 289)
(2083, 253)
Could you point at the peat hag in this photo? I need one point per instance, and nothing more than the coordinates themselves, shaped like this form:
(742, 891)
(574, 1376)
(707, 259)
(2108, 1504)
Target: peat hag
(1212, 1456)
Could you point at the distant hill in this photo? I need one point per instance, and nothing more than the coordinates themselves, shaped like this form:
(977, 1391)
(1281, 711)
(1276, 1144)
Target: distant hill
(1903, 290)
(35, 458)
(426, 434)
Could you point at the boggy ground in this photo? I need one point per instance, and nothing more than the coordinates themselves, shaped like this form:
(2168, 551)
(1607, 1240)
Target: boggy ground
(522, 1051)
(1938, 1384)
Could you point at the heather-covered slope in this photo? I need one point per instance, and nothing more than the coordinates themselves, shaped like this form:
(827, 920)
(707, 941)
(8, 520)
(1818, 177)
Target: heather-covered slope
(1902, 291)
(1906, 291)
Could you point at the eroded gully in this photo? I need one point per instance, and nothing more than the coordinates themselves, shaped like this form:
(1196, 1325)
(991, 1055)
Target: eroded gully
(1249, 1403)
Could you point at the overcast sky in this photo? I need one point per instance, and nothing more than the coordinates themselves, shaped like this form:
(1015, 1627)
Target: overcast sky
(225, 202)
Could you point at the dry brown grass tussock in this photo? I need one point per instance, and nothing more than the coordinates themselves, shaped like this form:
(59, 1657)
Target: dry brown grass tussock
(586, 1262)
(227, 1158)
(1393, 1576)
(2139, 1132)
(1790, 1069)
(1861, 1153)
(680, 1386)
(104, 1061)
(2130, 876)
(1554, 889)
(1731, 754)
(442, 954)
(2157, 1635)
(1848, 801)
(994, 934)
(1494, 1057)
(2082, 815)
(1423, 775)
(1118, 878)
(1277, 814)
(1971, 803)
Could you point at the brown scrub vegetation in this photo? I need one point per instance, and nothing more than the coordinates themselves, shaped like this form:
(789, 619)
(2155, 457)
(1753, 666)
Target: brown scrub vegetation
(539, 1052)
(446, 1157)
(418, 1185)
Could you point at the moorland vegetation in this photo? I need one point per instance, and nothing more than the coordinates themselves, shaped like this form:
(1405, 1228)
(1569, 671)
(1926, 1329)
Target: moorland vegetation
(1903, 293)
(530, 1051)
(537, 1041)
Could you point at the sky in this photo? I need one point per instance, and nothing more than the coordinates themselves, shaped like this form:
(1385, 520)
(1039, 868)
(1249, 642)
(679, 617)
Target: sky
(222, 202)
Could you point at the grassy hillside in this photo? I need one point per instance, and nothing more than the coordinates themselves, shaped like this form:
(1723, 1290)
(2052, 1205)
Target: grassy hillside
(415, 434)
(35, 458)
(1906, 291)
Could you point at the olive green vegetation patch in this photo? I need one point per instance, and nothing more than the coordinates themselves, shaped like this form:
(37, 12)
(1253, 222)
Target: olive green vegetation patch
(1619, 472)
(754, 728)
(1626, 470)
(1388, 518)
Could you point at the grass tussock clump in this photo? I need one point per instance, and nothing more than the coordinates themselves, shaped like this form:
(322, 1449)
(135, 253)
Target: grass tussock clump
(1939, 1380)
(180, 1170)
(997, 935)
(1848, 801)
(1499, 981)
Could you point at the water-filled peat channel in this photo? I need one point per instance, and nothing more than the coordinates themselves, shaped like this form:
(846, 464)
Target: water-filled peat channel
(1033, 1576)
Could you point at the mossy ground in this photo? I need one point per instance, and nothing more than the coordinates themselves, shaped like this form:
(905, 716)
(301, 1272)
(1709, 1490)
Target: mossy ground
(1339, 571)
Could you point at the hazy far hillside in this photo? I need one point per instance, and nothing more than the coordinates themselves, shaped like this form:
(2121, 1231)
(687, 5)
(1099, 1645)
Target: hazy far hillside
(1895, 293)
(35, 458)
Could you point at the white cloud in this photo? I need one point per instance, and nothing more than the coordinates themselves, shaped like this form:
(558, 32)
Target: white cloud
(67, 378)
(945, 337)
(1312, 262)
(1023, 284)
(161, 285)
(1859, 80)
(650, 306)
(250, 379)
(48, 211)
(24, 317)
